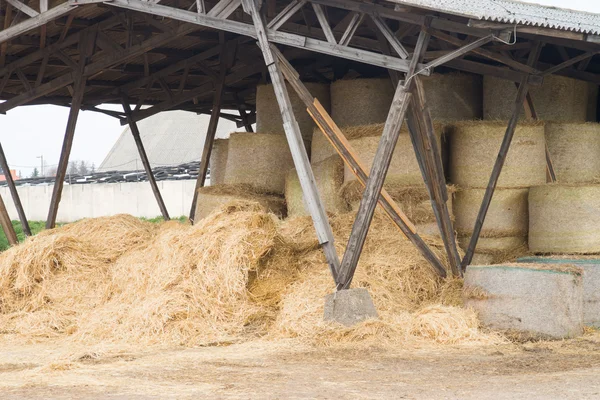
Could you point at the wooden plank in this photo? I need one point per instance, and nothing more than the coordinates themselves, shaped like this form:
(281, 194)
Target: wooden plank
(484, 53)
(343, 147)
(286, 14)
(35, 22)
(569, 62)
(284, 38)
(296, 144)
(14, 193)
(458, 52)
(7, 227)
(24, 8)
(324, 22)
(355, 22)
(135, 132)
(504, 147)
(390, 36)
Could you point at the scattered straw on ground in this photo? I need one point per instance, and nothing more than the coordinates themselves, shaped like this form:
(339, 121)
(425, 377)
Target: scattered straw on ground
(239, 274)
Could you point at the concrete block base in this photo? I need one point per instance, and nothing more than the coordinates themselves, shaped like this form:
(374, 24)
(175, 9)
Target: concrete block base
(532, 300)
(591, 282)
(349, 307)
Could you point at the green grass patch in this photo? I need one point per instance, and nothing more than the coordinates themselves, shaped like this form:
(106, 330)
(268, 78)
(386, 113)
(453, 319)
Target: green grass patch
(38, 226)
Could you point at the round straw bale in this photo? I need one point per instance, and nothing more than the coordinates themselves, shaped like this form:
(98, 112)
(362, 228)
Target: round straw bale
(404, 169)
(474, 147)
(268, 115)
(574, 149)
(413, 201)
(211, 198)
(506, 216)
(564, 219)
(329, 176)
(462, 91)
(361, 101)
(496, 245)
(259, 160)
(218, 161)
(320, 148)
(557, 99)
(482, 259)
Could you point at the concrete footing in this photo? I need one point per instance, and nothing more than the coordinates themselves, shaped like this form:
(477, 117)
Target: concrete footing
(531, 300)
(591, 282)
(349, 307)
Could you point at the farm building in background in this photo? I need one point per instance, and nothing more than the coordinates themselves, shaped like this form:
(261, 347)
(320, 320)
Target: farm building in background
(170, 138)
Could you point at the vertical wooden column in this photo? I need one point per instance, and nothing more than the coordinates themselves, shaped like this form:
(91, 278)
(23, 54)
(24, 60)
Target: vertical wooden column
(14, 193)
(296, 144)
(430, 162)
(504, 147)
(135, 132)
(86, 47)
(210, 136)
(6, 224)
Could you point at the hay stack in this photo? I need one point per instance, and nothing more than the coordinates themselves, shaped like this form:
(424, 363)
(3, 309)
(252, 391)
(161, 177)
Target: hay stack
(329, 176)
(574, 150)
(474, 147)
(212, 198)
(592, 104)
(507, 215)
(361, 101)
(564, 219)
(258, 160)
(404, 169)
(218, 161)
(557, 99)
(462, 91)
(268, 115)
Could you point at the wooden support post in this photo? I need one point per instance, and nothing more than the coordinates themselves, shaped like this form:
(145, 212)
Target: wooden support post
(381, 164)
(6, 223)
(343, 147)
(210, 133)
(430, 162)
(296, 144)
(510, 130)
(13, 192)
(135, 132)
(86, 48)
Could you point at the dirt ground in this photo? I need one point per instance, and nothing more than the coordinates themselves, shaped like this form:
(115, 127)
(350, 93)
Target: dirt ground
(288, 369)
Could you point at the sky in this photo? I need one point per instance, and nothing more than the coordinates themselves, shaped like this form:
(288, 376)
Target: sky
(580, 5)
(32, 131)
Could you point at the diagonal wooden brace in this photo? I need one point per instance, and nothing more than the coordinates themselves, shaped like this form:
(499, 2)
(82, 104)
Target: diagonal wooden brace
(343, 147)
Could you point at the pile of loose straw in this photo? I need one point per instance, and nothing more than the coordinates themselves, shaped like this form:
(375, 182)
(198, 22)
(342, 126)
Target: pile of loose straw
(239, 274)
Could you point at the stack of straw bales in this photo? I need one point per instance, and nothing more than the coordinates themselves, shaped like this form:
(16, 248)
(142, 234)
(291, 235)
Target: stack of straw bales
(460, 90)
(574, 149)
(255, 166)
(218, 161)
(563, 216)
(268, 115)
(474, 147)
(557, 99)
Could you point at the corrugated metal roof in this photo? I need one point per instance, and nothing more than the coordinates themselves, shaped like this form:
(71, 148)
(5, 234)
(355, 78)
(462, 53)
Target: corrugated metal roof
(514, 12)
(169, 138)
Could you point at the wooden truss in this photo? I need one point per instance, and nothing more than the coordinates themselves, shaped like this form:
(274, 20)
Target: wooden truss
(76, 65)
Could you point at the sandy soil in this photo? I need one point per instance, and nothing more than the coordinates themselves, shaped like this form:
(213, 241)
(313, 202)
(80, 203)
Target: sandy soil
(287, 369)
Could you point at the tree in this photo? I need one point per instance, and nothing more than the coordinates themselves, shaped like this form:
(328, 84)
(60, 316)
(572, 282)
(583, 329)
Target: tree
(35, 173)
(93, 168)
(82, 168)
(72, 170)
